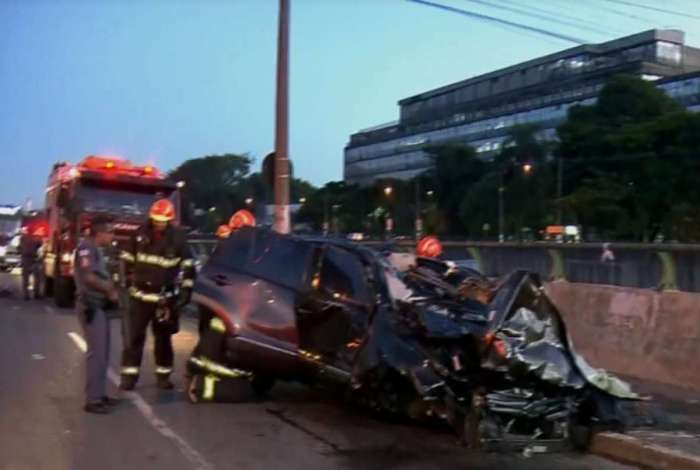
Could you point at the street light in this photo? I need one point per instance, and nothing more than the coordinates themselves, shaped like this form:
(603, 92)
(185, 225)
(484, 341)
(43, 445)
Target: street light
(180, 184)
(527, 169)
(248, 200)
(430, 193)
(388, 190)
(212, 209)
(302, 200)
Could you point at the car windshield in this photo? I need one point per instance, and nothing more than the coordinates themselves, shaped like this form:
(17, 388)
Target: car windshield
(130, 201)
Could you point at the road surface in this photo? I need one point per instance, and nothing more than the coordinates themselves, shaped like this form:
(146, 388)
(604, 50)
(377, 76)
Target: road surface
(42, 425)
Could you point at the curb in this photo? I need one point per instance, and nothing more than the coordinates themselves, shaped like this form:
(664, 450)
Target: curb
(635, 451)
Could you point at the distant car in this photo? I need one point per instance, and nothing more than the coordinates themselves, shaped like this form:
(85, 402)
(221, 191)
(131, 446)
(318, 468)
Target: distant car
(399, 334)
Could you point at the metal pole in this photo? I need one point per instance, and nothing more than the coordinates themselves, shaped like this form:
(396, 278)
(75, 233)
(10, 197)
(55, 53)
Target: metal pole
(501, 209)
(325, 215)
(419, 224)
(560, 186)
(281, 222)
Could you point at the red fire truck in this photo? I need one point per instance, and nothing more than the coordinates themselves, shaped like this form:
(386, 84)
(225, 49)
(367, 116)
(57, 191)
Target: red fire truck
(98, 185)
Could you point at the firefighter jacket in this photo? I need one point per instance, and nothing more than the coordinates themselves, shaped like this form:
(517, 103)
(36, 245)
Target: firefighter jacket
(159, 268)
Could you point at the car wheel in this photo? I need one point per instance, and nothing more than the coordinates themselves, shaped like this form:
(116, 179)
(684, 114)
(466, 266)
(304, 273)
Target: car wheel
(580, 436)
(262, 384)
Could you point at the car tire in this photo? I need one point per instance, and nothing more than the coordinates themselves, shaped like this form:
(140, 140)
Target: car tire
(64, 290)
(261, 385)
(580, 436)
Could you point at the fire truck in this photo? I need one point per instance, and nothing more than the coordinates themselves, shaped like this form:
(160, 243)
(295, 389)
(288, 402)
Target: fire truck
(98, 185)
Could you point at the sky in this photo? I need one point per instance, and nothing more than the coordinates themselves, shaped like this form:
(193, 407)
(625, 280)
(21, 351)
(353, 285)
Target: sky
(162, 81)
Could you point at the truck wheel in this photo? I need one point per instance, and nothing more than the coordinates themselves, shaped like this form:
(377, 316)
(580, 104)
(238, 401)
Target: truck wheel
(48, 287)
(63, 292)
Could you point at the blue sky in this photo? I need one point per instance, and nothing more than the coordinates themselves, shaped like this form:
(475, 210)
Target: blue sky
(162, 81)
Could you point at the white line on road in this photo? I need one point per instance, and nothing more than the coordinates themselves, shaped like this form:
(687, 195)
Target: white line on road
(158, 424)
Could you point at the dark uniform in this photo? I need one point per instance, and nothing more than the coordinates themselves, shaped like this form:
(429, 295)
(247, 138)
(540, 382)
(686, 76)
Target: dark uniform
(29, 251)
(90, 309)
(160, 273)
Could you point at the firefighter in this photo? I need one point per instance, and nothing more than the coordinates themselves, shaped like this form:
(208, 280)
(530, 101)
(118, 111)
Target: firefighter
(29, 251)
(160, 273)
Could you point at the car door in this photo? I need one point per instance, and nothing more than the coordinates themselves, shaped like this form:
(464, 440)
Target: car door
(335, 315)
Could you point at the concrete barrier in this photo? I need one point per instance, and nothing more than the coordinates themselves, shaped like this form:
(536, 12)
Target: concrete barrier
(641, 333)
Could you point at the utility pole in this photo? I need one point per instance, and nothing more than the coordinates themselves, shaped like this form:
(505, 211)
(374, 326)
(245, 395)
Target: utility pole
(419, 220)
(560, 186)
(501, 209)
(281, 219)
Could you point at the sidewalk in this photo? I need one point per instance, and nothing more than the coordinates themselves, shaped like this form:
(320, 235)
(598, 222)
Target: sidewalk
(663, 433)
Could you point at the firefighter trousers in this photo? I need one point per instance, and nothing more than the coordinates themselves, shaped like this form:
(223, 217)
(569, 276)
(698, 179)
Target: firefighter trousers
(135, 323)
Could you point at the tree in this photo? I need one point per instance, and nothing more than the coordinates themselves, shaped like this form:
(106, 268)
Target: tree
(625, 157)
(456, 169)
(209, 183)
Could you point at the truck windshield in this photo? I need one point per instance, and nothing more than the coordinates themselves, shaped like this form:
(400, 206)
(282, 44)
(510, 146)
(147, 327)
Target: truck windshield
(9, 225)
(118, 200)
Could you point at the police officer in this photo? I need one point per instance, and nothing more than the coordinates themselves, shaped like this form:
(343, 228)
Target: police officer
(160, 274)
(94, 288)
(29, 245)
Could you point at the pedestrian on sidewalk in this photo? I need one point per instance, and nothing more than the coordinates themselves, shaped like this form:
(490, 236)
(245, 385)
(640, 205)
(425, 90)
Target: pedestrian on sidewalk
(94, 288)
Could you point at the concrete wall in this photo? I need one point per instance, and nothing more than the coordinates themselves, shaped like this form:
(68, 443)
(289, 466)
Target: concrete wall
(640, 333)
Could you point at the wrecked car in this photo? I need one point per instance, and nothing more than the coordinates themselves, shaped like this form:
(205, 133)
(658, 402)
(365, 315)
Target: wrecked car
(402, 335)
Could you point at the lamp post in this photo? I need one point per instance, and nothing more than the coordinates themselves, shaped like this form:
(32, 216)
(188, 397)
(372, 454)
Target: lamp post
(419, 221)
(527, 169)
(389, 224)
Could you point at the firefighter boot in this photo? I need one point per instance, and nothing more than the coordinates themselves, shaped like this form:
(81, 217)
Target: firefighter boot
(163, 382)
(128, 382)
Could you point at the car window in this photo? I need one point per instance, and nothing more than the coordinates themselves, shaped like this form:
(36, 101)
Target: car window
(234, 251)
(280, 259)
(343, 274)
(266, 255)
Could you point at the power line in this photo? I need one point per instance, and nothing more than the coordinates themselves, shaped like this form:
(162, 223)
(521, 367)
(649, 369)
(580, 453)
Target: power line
(661, 10)
(500, 21)
(546, 17)
(559, 14)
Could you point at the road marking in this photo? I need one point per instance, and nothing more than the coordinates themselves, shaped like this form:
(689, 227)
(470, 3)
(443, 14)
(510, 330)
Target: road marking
(199, 462)
(78, 340)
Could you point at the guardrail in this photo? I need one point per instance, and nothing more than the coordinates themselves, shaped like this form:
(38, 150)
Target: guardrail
(657, 266)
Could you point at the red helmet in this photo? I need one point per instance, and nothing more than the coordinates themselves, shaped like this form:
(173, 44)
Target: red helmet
(240, 219)
(162, 211)
(223, 231)
(429, 247)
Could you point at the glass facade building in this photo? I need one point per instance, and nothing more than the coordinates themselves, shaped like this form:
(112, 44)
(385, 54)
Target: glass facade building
(480, 111)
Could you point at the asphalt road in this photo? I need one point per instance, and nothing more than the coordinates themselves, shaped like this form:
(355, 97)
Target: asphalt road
(42, 425)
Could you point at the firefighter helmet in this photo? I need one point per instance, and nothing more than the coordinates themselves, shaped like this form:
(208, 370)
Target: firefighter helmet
(240, 219)
(223, 231)
(162, 211)
(429, 247)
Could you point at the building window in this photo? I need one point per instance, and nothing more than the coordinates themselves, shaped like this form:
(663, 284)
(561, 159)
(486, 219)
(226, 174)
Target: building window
(668, 53)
